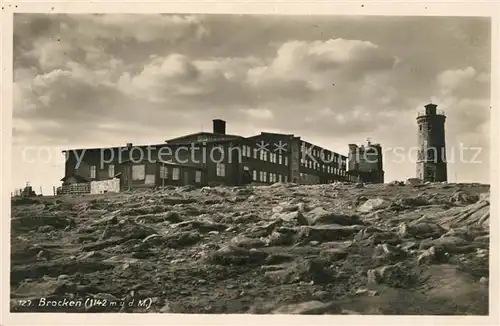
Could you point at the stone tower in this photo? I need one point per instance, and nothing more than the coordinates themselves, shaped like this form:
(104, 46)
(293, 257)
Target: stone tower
(431, 161)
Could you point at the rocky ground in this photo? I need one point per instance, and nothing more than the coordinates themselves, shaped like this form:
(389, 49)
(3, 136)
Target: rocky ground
(284, 248)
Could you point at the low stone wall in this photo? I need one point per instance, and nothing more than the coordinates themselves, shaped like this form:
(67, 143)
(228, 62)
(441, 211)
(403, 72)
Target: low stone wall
(100, 187)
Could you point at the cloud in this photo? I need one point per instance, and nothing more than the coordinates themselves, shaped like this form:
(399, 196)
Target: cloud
(323, 62)
(144, 28)
(464, 94)
(259, 113)
(464, 82)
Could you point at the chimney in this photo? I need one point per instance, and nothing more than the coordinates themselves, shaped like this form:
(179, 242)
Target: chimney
(430, 109)
(219, 126)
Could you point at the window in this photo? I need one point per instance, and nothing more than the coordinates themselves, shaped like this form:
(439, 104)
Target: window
(286, 178)
(138, 172)
(430, 154)
(176, 173)
(245, 168)
(310, 164)
(244, 150)
(249, 151)
(93, 169)
(286, 160)
(255, 153)
(111, 170)
(197, 176)
(163, 172)
(150, 179)
(263, 176)
(254, 175)
(221, 170)
(280, 159)
(280, 178)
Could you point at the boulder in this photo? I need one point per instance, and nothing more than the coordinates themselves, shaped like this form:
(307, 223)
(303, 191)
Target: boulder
(325, 233)
(447, 244)
(333, 254)
(246, 242)
(233, 255)
(319, 215)
(398, 275)
(463, 198)
(387, 253)
(295, 217)
(373, 205)
(421, 230)
(309, 270)
(414, 181)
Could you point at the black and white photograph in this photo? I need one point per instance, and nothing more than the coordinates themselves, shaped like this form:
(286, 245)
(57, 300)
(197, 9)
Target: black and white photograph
(261, 164)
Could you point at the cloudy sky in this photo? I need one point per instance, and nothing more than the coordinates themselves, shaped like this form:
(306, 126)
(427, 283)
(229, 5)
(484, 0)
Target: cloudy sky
(106, 80)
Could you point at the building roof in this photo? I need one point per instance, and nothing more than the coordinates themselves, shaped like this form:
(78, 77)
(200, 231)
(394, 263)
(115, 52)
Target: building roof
(77, 177)
(113, 147)
(211, 134)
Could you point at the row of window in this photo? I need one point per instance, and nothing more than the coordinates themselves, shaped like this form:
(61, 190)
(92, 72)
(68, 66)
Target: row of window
(93, 171)
(139, 173)
(263, 176)
(264, 155)
(323, 167)
(176, 173)
(324, 154)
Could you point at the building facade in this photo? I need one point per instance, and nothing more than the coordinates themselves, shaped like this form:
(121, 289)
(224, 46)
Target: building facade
(306, 163)
(208, 158)
(431, 160)
(366, 163)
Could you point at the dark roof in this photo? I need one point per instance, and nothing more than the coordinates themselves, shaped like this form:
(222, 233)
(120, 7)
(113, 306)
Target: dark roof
(221, 137)
(77, 177)
(114, 147)
(273, 134)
